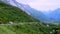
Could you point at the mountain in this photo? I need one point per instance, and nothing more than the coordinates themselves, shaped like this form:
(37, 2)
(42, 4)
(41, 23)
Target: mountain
(15, 3)
(32, 12)
(14, 14)
(49, 17)
(56, 14)
(8, 2)
(35, 13)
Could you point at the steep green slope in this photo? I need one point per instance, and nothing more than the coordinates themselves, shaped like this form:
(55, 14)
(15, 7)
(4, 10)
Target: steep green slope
(4, 30)
(14, 14)
(34, 28)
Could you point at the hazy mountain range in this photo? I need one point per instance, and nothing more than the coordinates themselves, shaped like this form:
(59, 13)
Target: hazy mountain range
(51, 16)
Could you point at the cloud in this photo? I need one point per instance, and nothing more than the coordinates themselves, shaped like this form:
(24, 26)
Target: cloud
(43, 5)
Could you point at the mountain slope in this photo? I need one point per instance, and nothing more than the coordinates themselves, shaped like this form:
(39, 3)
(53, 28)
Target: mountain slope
(42, 16)
(35, 13)
(14, 14)
(31, 11)
(54, 16)
(34, 28)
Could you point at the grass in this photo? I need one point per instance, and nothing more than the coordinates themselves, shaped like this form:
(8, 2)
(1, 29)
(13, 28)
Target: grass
(34, 28)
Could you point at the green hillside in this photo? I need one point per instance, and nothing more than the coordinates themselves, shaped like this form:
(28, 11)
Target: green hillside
(14, 14)
(23, 28)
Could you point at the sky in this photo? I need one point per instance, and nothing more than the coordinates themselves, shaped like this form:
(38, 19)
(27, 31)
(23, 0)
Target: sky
(42, 5)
